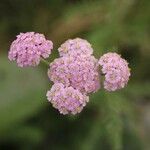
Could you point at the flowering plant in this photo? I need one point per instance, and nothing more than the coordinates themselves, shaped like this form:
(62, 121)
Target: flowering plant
(75, 74)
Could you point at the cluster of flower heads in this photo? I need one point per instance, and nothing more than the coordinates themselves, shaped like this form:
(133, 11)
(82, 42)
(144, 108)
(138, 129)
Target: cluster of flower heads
(75, 74)
(116, 71)
(29, 48)
(76, 68)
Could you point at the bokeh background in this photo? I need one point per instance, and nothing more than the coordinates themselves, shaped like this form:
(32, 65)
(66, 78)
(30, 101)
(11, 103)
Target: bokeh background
(111, 121)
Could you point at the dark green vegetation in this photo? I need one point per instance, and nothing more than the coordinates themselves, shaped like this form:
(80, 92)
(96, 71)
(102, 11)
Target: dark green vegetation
(111, 121)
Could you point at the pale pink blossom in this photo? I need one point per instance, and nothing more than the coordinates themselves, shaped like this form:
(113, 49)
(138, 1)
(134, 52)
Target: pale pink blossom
(29, 48)
(66, 99)
(75, 46)
(116, 71)
(80, 72)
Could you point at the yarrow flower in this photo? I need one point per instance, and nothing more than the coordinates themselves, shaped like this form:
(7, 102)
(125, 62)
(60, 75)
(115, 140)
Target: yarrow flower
(116, 71)
(75, 73)
(75, 46)
(29, 48)
(80, 72)
(67, 99)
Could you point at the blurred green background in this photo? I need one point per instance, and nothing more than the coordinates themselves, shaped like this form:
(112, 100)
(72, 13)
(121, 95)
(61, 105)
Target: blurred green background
(111, 121)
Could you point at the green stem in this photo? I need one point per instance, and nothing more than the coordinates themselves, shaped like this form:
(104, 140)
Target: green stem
(44, 61)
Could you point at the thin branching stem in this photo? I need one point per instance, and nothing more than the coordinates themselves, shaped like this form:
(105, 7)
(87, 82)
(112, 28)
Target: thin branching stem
(44, 61)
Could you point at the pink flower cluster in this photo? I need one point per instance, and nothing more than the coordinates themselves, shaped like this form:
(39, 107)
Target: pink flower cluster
(29, 48)
(116, 71)
(77, 69)
(75, 74)
(80, 72)
(66, 99)
(75, 46)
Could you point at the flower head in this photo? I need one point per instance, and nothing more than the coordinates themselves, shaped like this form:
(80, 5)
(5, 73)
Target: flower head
(28, 49)
(80, 72)
(116, 71)
(66, 99)
(75, 46)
